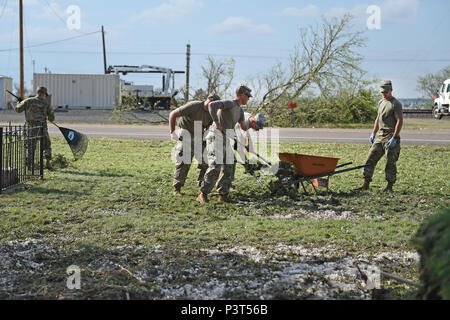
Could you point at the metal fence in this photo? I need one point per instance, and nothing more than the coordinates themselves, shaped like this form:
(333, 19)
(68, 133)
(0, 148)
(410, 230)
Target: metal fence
(21, 155)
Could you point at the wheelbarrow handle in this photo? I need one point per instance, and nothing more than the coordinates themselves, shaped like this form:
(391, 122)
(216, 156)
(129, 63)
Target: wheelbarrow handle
(325, 174)
(242, 144)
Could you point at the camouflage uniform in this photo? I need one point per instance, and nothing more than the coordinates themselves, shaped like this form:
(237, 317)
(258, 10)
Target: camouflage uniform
(37, 111)
(190, 113)
(388, 111)
(219, 148)
(245, 137)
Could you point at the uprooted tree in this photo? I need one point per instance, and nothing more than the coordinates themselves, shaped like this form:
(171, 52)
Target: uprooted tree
(325, 62)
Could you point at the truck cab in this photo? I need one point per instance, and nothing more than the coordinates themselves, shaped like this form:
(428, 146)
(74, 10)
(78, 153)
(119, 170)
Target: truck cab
(442, 101)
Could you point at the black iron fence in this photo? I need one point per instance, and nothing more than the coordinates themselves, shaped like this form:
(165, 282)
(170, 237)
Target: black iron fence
(21, 155)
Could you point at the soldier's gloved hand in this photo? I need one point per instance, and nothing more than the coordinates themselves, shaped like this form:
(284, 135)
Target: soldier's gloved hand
(174, 137)
(391, 143)
(372, 138)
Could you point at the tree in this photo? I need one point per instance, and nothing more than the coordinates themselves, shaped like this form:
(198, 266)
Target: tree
(218, 74)
(429, 83)
(323, 60)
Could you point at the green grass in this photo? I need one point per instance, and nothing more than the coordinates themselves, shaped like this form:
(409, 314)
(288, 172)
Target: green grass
(119, 194)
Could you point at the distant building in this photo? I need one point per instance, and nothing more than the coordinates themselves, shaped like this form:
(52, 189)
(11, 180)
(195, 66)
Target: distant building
(6, 99)
(80, 91)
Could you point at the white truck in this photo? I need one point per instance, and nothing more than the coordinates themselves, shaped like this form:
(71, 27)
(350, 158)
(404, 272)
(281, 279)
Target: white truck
(145, 94)
(442, 101)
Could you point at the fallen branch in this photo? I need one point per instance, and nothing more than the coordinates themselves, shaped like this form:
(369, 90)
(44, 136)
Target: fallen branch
(399, 278)
(131, 274)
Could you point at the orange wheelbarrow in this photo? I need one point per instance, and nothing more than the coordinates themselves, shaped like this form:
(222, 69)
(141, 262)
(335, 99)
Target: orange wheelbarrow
(312, 169)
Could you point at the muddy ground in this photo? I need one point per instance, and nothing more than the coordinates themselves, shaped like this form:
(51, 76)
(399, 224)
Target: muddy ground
(37, 269)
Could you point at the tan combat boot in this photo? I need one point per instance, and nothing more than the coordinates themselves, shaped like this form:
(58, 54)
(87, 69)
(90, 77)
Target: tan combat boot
(389, 187)
(226, 198)
(364, 186)
(202, 198)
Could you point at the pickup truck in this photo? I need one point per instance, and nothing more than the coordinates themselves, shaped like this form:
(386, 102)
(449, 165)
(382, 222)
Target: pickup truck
(442, 101)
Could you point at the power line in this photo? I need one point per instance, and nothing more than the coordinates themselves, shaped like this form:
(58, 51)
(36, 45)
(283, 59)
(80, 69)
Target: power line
(231, 55)
(52, 42)
(55, 13)
(161, 53)
(60, 18)
(408, 60)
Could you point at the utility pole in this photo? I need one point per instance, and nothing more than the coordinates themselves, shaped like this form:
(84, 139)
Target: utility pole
(188, 68)
(104, 51)
(22, 88)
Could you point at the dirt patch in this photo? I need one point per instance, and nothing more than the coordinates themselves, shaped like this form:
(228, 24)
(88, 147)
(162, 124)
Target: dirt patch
(34, 269)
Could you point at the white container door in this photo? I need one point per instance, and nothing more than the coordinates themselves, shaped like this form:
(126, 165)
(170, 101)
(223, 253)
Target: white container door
(86, 92)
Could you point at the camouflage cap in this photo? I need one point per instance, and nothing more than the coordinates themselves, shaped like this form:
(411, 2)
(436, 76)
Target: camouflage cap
(385, 85)
(213, 97)
(242, 89)
(42, 90)
(260, 121)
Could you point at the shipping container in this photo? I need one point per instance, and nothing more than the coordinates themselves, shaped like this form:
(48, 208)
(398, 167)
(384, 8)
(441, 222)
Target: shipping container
(80, 91)
(6, 99)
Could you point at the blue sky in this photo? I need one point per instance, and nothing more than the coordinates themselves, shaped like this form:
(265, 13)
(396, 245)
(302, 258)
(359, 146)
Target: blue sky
(412, 41)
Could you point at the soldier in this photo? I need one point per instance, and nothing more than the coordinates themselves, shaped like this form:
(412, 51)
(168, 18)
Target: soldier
(253, 122)
(37, 111)
(187, 115)
(385, 138)
(225, 114)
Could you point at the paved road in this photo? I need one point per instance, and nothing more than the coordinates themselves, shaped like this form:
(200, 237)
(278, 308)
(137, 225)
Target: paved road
(160, 133)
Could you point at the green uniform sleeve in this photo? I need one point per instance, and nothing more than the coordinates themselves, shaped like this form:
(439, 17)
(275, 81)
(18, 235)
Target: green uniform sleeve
(20, 107)
(378, 106)
(50, 114)
(398, 110)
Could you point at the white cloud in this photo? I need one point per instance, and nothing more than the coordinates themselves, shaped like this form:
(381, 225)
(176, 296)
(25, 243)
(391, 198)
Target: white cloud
(171, 11)
(239, 25)
(392, 11)
(310, 11)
